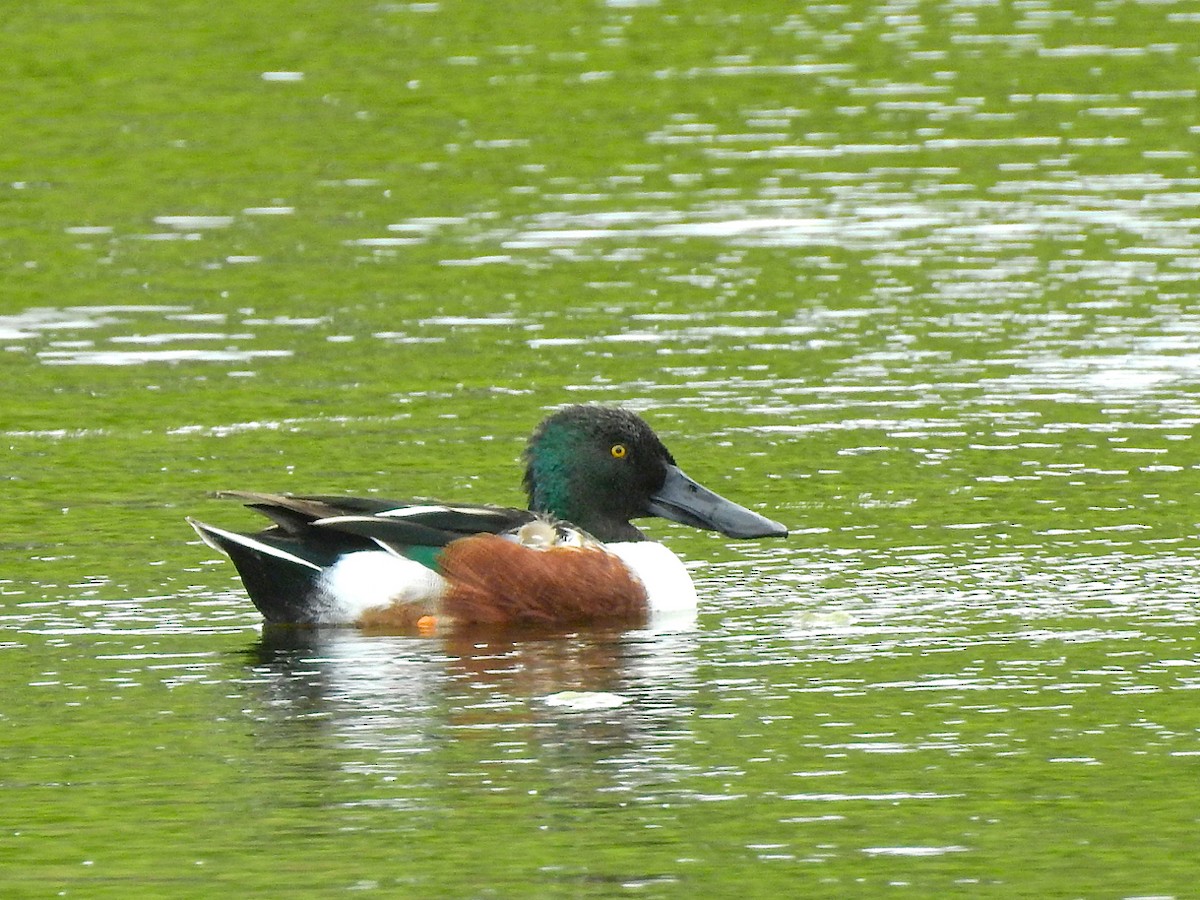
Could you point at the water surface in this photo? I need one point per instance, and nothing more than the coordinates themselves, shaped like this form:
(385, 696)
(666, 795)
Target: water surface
(915, 279)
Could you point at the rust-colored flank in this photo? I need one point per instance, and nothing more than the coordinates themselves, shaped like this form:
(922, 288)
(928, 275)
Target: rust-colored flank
(497, 581)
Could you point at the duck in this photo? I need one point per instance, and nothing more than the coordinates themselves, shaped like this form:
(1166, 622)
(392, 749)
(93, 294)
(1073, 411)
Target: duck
(573, 557)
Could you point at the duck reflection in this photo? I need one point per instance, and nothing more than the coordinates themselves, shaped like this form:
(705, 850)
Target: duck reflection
(479, 705)
(310, 665)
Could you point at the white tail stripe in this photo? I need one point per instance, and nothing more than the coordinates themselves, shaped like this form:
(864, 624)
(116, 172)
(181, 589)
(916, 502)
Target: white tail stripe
(247, 541)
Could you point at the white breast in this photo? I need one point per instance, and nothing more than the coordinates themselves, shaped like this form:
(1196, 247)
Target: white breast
(667, 582)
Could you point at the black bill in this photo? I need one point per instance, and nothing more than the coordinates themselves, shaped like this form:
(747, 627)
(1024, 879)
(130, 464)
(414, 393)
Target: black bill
(681, 499)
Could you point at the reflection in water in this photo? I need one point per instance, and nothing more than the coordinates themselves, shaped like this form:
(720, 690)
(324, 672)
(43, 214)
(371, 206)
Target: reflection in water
(479, 707)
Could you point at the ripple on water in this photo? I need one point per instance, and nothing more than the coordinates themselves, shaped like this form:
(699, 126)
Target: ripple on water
(101, 335)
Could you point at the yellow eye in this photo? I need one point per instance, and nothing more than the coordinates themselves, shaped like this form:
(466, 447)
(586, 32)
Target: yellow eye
(618, 451)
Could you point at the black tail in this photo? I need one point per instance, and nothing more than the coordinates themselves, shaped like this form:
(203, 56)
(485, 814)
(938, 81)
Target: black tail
(279, 573)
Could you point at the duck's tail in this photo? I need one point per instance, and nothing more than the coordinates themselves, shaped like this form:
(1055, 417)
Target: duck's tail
(284, 584)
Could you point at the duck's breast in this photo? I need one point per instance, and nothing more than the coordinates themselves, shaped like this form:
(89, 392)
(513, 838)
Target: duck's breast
(668, 585)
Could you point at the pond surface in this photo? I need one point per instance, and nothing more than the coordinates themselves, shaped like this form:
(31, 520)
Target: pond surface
(917, 279)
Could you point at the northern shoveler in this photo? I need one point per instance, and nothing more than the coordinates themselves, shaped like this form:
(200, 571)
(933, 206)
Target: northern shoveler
(572, 557)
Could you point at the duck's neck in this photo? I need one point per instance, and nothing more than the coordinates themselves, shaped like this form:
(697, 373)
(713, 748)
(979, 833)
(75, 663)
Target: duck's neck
(606, 529)
(619, 532)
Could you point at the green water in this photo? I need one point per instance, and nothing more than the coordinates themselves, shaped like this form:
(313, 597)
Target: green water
(917, 279)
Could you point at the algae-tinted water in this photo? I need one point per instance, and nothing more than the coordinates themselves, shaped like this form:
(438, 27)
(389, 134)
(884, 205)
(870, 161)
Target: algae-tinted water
(917, 279)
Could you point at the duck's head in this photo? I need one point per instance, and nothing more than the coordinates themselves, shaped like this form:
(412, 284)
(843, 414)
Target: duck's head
(599, 467)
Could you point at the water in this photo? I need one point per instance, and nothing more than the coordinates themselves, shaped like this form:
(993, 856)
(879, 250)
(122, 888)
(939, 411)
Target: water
(915, 279)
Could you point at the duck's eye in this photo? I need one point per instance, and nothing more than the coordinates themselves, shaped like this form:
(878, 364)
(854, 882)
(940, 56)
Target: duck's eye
(618, 451)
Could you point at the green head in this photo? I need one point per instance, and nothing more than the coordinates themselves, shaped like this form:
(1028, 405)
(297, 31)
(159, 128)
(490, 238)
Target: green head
(595, 467)
(598, 467)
